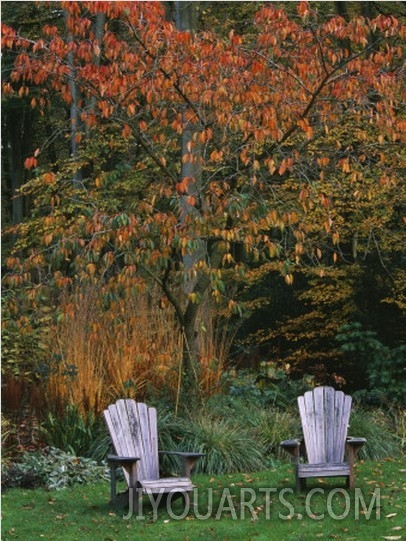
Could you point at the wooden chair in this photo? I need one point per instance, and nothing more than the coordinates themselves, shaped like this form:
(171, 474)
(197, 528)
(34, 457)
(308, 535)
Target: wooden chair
(325, 414)
(134, 433)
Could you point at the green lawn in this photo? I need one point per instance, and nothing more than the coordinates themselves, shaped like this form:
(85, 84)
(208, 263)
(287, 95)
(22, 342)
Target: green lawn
(240, 510)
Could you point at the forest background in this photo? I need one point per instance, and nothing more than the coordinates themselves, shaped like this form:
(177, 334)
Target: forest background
(199, 199)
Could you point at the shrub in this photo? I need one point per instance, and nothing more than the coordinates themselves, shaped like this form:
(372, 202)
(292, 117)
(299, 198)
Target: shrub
(385, 367)
(236, 434)
(229, 447)
(268, 386)
(54, 469)
(274, 426)
(75, 433)
(7, 431)
(375, 425)
(400, 426)
(270, 424)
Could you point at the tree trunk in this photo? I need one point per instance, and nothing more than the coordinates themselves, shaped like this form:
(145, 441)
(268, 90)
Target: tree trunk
(74, 114)
(342, 9)
(191, 169)
(18, 121)
(98, 32)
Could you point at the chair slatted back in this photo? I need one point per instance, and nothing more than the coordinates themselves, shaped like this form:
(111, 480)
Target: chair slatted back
(134, 433)
(325, 415)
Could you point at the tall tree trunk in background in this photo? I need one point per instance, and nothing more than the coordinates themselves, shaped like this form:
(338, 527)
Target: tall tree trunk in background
(369, 12)
(16, 167)
(18, 120)
(342, 9)
(367, 9)
(191, 166)
(74, 114)
(98, 32)
(186, 15)
(76, 125)
(191, 174)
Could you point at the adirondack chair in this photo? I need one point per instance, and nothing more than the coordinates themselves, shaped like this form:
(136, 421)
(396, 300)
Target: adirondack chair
(325, 414)
(133, 430)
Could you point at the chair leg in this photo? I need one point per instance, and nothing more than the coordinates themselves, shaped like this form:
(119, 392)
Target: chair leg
(113, 490)
(135, 493)
(134, 496)
(186, 500)
(299, 483)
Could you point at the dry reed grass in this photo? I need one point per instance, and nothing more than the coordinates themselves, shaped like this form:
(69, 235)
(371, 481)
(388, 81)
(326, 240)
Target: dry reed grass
(125, 350)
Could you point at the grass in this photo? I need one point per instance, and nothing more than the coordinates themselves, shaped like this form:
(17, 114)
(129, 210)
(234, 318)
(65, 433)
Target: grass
(82, 512)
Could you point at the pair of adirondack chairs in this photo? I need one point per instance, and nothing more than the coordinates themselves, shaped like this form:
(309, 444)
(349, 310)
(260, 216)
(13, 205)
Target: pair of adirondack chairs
(324, 414)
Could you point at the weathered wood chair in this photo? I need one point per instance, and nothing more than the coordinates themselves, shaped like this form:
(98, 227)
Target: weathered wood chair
(325, 414)
(134, 433)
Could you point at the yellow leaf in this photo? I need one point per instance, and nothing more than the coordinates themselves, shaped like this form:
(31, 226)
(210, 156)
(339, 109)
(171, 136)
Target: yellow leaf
(91, 267)
(271, 167)
(289, 279)
(48, 239)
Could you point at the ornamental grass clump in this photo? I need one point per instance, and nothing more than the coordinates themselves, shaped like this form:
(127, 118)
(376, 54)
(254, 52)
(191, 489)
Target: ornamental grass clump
(228, 446)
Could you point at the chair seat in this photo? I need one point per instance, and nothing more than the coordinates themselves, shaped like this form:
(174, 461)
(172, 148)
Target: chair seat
(323, 470)
(166, 484)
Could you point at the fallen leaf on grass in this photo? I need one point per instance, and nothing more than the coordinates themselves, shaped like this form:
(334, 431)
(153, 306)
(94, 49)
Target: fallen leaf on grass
(392, 537)
(391, 515)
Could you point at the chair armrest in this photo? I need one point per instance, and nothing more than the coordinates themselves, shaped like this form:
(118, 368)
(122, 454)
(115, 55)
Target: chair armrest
(121, 460)
(129, 463)
(353, 446)
(183, 454)
(189, 459)
(292, 447)
(291, 443)
(355, 441)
